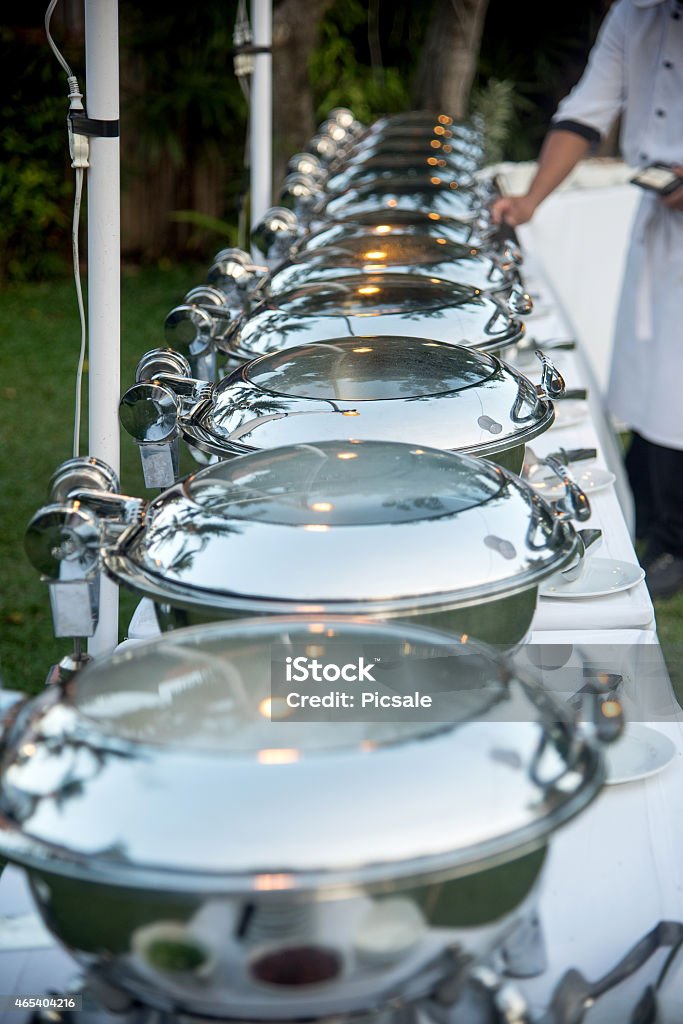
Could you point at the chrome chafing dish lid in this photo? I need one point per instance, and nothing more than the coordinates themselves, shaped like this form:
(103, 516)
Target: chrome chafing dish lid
(400, 163)
(421, 131)
(463, 156)
(390, 223)
(423, 255)
(418, 120)
(362, 304)
(160, 767)
(359, 527)
(377, 388)
(380, 171)
(444, 197)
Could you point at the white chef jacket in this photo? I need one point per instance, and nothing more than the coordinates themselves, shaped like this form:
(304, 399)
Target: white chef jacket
(636, 69)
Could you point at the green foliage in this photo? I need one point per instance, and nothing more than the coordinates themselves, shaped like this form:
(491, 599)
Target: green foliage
(182, 104)
(182, 92)
(495, 103)
(341, 71)
(39, 327)
(36, 186)
(541, 59)
(205, 222)
(180, 100)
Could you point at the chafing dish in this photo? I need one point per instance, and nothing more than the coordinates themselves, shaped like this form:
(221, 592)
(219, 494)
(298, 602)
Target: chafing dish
(372, 528)
(383, 165)
(200, 853)
(417, 121)
(359, 305)
(380, 224)
(390, 389)
(455, 198)
(420, 255)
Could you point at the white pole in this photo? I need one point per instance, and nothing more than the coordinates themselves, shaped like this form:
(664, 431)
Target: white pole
(104, 275)
(261, 112)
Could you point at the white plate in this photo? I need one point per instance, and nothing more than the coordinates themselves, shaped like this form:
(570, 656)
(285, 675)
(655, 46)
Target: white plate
(639, 753)
(570, 411)
(601, 576)
(590, 479)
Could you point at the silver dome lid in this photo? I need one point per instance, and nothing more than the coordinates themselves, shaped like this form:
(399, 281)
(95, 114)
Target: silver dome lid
(417, 121)
(381, 168)
(439, 196)
(342, 526)
(160, 767)
(419, 255)
(462, 154)
(363, 304)
(377, 388)
(383, 224)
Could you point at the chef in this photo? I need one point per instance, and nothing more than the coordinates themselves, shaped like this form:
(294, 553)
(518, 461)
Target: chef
(636, 69)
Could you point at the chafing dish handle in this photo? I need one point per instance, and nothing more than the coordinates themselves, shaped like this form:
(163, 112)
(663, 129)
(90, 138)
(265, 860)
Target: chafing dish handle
(551, 387)
(63, 540)
(574, 995)
(574, 504)
(552, 382)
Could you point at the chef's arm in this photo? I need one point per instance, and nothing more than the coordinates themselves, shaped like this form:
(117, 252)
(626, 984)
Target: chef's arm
(560, 153)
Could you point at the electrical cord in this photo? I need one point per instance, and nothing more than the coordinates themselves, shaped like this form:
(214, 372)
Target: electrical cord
(79, 150)
(81, 310)
(48, 17)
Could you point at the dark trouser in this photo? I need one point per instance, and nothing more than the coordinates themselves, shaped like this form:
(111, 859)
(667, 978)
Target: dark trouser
(655, 475)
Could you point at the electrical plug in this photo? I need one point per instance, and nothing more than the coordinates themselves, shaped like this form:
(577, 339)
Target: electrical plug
(79, 145)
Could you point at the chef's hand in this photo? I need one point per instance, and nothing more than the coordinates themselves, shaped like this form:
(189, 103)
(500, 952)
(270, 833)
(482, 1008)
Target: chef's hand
(674, 201)
(512, 210)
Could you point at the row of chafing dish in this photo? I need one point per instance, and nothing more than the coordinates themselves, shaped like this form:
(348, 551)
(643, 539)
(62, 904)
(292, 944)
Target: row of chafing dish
(202, 853)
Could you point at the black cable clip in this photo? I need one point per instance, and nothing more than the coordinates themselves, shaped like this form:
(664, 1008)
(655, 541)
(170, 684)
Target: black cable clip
(81, 124)
(250, 51)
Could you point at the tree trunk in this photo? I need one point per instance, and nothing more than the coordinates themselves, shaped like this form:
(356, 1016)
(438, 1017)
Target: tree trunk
(448, 60)
(296, 25)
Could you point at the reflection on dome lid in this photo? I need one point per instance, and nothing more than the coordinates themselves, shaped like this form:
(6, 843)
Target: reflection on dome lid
(371, 368)
(329, 484)
(373, 294)
(211, 688)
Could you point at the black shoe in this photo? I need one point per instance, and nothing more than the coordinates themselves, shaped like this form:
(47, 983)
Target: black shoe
(665, 576)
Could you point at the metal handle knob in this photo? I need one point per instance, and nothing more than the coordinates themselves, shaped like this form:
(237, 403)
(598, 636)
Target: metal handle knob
(301, 192)
(161, 360)
(82, 472)
(324, 147)
(232, 273)
(149, 413)
(552, 382)
(190, 329)
(62, 542)
(276, 232)
(574, 504)
(306, 163)
(519, 301)
(206, 297)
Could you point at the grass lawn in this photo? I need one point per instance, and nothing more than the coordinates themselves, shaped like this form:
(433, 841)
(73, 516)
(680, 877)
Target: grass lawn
(39, 341)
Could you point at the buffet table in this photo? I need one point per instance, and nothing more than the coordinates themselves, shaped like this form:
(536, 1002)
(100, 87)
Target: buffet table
(617, 870)
(625, 852)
